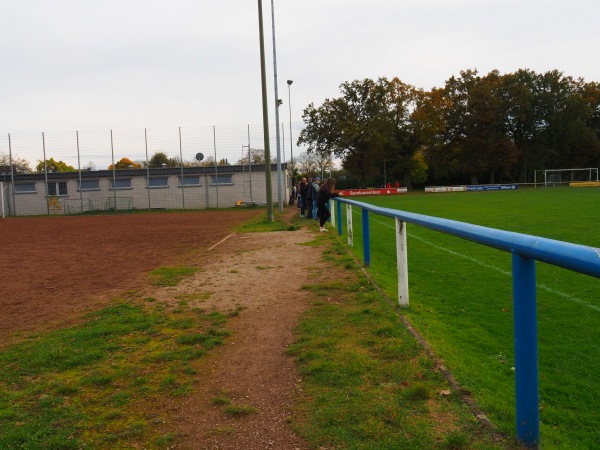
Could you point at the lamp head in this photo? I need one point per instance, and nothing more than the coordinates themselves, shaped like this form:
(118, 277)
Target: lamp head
(289, 82)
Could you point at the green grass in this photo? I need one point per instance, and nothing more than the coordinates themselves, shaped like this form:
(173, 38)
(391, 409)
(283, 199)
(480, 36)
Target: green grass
(461, 301)
(261, 224)
(367, 383)
(97, 385)
(171, 276)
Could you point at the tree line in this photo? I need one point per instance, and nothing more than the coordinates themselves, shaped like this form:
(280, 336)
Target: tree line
(476, 129)
(158, 160)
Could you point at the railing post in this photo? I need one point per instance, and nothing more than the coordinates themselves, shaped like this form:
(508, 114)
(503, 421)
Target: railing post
(338, 211)
(331, 207)
(526, 351)
(366, 238)
(350, 229)
(402, 262)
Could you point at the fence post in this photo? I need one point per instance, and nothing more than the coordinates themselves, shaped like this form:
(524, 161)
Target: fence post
(402, 262)
(366, 238)
(338, 211)
(331, 207)
(349, 225)
(526, 351)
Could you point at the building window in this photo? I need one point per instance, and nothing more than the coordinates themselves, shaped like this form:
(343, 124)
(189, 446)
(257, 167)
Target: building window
(221, 179)
(191, 180)
(158, 182)
(25, 188)
(89, 185)
(57, 188)
(120, 183)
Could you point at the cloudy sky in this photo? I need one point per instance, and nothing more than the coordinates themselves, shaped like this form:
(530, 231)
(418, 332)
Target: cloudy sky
(71, 65)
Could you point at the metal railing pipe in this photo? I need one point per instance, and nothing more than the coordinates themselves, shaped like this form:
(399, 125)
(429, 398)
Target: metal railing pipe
(525, 249)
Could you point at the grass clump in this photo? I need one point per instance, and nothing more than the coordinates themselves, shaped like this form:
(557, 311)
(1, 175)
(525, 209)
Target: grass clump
(171, 276)
(95, 385)
(240, 410)
(262, 224)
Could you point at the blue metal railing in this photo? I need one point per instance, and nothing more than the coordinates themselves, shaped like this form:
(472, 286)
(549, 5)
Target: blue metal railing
(525, 250)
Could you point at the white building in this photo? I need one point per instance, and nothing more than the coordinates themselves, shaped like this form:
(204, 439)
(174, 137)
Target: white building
(141, 189)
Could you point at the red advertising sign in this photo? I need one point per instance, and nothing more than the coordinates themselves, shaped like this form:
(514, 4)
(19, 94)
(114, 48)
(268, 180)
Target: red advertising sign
(362, 192)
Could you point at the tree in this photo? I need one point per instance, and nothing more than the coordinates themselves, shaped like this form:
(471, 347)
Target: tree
(53, 166)
(161, 159)
(125, 163)
(562, 117)
(357, 127)
(324, 164)
(257, 156)
(209, 161)
(476, 143)
(90, 166)
(19, 165)
(306, 163)
(491, 128)
(429, 128)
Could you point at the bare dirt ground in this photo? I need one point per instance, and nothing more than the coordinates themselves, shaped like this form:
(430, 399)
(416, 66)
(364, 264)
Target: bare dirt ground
(53, 269)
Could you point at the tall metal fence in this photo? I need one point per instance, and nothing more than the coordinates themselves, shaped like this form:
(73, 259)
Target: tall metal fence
(212, 168)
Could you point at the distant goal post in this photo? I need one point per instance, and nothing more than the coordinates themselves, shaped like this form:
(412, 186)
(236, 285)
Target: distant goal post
(564, 177)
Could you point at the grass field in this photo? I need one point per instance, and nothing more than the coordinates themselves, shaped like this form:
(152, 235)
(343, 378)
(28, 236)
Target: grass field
(461, 301)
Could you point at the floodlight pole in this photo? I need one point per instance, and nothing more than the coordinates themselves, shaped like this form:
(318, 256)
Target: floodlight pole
(269, 188)
(277, 104)
(289, 83)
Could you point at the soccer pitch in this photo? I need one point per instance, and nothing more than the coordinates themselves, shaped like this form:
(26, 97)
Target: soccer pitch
(461, 301)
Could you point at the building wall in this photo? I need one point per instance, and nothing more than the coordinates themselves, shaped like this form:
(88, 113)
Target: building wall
(154, 189)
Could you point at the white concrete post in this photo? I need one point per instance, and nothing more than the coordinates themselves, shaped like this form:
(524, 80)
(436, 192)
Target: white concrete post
(402, 261)
(332, 206)
(349, 224)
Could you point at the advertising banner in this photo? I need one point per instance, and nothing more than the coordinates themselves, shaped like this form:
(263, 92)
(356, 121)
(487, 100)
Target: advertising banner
(363, 192)
(493, 187)
(445, 189)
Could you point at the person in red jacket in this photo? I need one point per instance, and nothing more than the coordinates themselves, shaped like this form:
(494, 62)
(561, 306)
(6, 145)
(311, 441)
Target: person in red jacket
(326, 191)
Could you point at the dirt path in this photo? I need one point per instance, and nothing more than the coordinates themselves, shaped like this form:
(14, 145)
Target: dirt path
(262, 273)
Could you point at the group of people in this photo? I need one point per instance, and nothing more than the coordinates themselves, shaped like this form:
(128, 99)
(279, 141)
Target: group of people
(312, 198)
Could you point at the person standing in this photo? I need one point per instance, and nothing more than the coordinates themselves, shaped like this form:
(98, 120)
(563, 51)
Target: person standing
(315, 189)
(326, 192)
(303, 192)
(310, 198)
(298, 195)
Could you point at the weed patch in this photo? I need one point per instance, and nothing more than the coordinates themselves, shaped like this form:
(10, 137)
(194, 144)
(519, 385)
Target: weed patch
(171, 276)
(94, 385)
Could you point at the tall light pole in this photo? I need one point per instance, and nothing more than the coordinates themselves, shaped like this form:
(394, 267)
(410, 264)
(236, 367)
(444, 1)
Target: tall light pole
(278, 102)
(289, 83)
(265, 108)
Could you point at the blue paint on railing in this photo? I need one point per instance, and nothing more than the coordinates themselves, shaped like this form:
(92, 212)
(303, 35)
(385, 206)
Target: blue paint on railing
(366, 240)
(338, 217)
(526, 249)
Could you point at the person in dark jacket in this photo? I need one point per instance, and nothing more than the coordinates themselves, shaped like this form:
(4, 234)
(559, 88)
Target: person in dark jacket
(310, 198)
(326, 191)
(303, 192)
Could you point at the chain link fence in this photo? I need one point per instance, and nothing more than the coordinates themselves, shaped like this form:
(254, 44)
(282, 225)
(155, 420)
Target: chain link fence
(207, 167)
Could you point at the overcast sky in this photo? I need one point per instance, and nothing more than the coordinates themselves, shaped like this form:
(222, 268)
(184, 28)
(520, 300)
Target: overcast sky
(71, 65)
